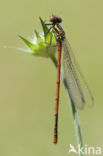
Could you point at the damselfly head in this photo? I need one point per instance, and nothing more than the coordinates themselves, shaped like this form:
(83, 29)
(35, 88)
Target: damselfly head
(55, 19)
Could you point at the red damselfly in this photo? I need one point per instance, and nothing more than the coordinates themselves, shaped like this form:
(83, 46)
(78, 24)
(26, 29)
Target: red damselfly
(78, 89)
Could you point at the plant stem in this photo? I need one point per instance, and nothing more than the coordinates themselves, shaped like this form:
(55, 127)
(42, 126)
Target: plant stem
(73, 108)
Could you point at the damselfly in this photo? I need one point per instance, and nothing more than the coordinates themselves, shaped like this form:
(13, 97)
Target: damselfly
(78, 89)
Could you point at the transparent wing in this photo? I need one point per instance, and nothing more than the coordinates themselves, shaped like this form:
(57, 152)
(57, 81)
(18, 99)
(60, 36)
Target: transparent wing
(79, 90)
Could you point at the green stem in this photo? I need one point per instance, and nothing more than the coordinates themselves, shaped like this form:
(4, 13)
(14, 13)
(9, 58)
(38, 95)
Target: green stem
(73, 108)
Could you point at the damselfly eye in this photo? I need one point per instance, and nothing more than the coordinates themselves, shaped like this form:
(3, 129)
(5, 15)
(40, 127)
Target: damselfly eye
(59, 20)
(52, 19)
(55, 19)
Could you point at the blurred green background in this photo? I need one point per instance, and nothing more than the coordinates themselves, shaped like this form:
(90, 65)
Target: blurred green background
(28, 84)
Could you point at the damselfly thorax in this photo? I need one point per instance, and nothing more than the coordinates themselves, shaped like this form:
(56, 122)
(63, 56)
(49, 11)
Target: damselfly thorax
(59, 32)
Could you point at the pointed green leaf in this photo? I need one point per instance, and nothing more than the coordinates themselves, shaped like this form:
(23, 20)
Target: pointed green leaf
(38, 37)
(47, 33)
(28, 43)
(27, 51)
(45, 28)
